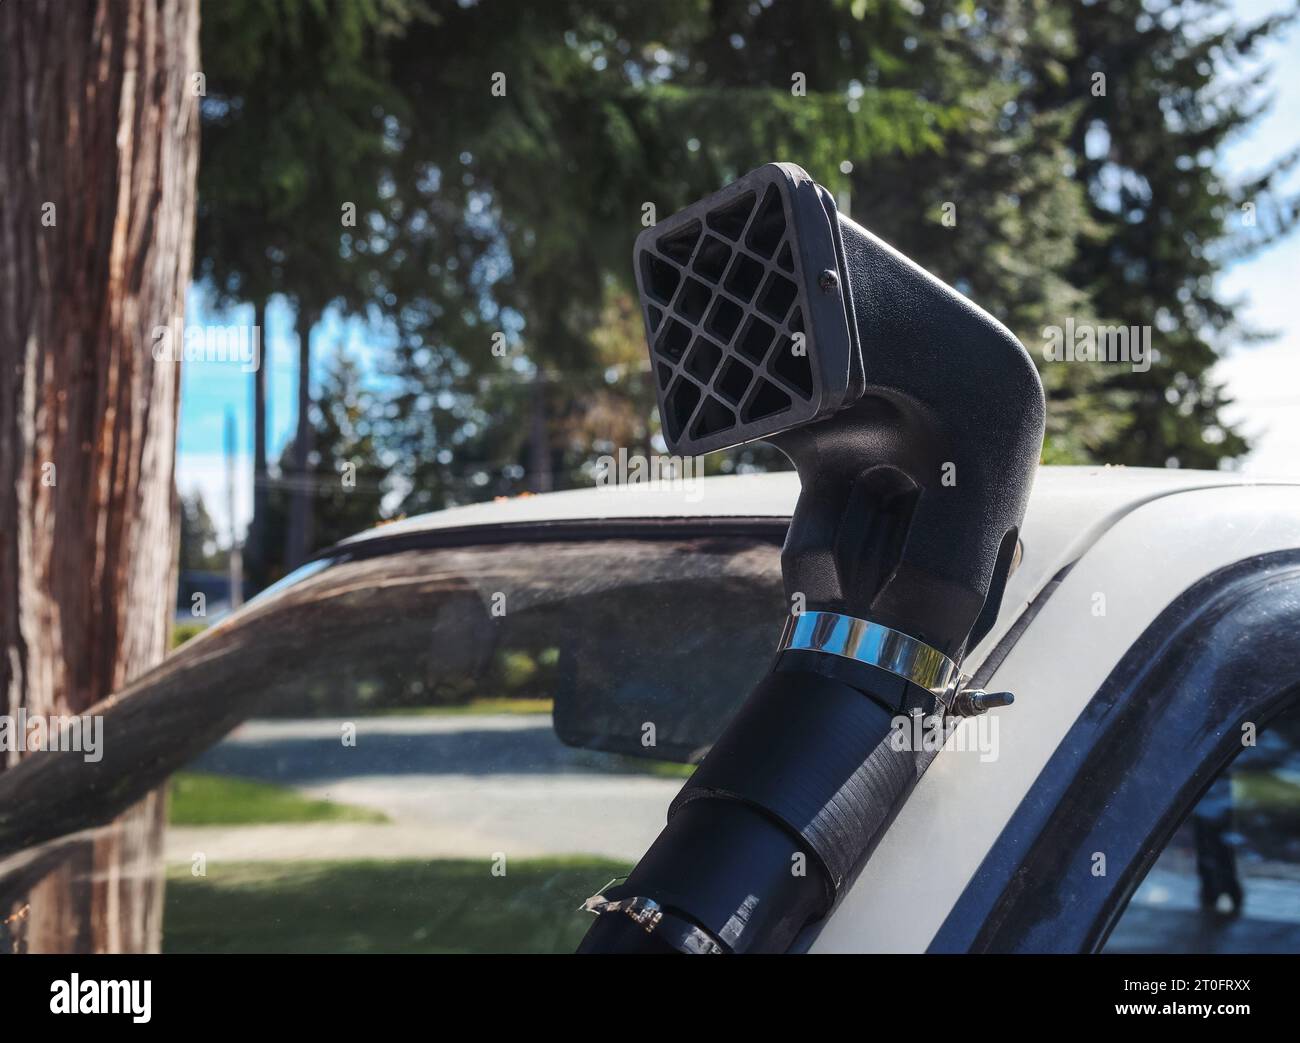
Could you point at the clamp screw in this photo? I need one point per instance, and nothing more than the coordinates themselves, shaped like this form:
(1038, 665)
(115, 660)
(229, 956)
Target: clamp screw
(972, 702)
(828, 281)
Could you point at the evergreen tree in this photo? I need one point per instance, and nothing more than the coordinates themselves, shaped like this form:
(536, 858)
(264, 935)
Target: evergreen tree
(346, 479)
(200, 546)
(1146, 147)
(297, 127)
(519, 147)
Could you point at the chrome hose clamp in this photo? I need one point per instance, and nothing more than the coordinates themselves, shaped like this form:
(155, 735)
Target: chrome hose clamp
(890, 650)
(649, 914)
(875, 645)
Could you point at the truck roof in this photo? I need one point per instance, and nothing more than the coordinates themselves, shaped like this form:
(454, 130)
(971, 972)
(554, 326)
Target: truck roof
(1070, 509)
(1057, 490)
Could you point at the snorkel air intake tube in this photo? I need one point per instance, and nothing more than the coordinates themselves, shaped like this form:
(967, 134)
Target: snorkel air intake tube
(915, 421)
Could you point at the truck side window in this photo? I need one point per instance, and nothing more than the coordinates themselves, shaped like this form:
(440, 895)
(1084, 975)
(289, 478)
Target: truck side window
(1229, 880)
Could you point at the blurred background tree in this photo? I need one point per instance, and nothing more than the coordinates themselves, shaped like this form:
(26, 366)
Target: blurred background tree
(344, 477)
(502, 157)
(296, 126)
(200, 546)
(1147, 150)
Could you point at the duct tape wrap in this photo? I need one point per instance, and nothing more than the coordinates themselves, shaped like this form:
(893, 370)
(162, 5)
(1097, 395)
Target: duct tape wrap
(815, 754)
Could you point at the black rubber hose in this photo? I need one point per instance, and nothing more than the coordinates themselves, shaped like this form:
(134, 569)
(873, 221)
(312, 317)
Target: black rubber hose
(776, 822)
(705, 869)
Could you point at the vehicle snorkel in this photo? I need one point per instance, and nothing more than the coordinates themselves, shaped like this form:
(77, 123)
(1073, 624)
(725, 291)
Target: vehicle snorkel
(915, 421)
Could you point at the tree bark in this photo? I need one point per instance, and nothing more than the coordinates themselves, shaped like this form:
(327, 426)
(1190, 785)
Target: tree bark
(98, 154)
(298, 536)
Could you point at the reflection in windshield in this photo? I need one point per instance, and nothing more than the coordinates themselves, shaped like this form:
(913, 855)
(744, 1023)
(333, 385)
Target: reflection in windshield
(367, 759)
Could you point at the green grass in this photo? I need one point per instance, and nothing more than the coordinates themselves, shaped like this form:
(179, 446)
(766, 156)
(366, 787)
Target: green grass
(182, 632)
(405, 906)
(199, 799)
(1265, 790)
(473, 708)
(646, 766)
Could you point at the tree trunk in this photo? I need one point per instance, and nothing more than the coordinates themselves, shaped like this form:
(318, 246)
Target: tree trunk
(98, 154)
(255, 545)
(540, 476)
(298, 537)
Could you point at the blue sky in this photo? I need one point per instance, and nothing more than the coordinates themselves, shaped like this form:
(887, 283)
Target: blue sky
(1263, 379)
(210, 390)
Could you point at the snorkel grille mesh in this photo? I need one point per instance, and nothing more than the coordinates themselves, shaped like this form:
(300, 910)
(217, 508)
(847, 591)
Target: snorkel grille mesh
(726, 310)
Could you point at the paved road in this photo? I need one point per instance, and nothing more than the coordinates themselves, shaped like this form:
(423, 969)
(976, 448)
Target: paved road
(453, 787)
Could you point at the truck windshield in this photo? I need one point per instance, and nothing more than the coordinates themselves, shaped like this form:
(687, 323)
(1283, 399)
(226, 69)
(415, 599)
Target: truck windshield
(434, 749)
